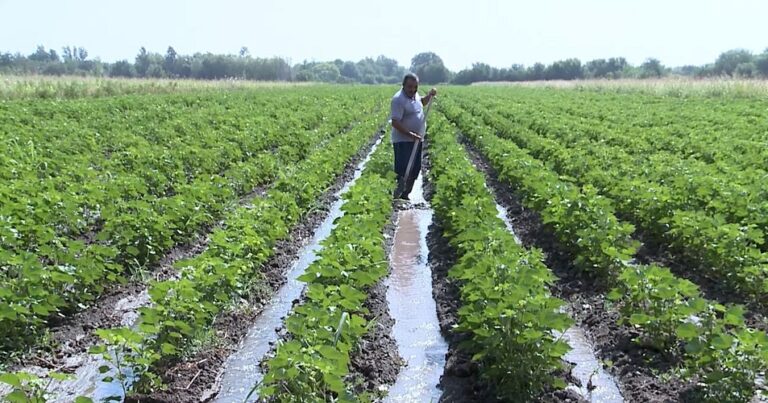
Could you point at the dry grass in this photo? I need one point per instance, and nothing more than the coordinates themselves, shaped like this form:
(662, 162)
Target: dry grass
(47, 87)
(681, 87)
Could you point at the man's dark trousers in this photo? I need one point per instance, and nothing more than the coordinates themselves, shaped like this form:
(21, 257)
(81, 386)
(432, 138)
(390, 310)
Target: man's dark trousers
(402, 155)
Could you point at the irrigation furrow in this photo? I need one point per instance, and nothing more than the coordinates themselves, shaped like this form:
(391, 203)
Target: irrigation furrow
(74, 334)
(121, 309)
(242, 372)
(593, 384)
(409, 294)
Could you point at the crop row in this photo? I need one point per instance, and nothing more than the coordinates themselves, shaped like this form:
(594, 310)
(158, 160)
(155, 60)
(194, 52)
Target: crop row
(183, 308)
(95, 191)
(712, 183)
(506, 305)
(691, 128)
(720, 350)
(312, 363)
(730, 251)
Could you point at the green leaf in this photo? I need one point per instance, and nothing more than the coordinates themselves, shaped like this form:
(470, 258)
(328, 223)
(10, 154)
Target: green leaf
(97, 349)
(10, 379)
(694, 346)
(59, 376)
(17, 396)
(615, 295)
(559, 383)
(734, 315)
(686, 331)
(168, 349)
(640, 319)
(722, 342)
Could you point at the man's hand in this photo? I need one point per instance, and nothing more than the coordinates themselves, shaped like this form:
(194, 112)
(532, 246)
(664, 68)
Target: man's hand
(415, 135)
(428, 98)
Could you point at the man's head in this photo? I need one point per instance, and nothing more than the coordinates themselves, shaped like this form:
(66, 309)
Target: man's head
(410, 84)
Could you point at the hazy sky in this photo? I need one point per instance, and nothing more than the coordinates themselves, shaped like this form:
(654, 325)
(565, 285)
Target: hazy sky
(493, 31)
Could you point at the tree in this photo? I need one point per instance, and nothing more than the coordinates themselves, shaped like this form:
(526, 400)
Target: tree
(212, 67)
(326, 72)
(569, 69)
(727, 62)
(81, 54)
(708, 70)
(41, 55)
(142, 62)
(478, 72)
(687, 70)
(169, 63)
(536, 72)
(122, 68)
(602, 68)
(55, 69)
(146, 60)
(425, 58)
(155, 71)
(67, 54)
(6, 60)
(305, 75)
(349, 70)
(430, 68)
(761, 64)
(515, 72)
(272, 69)
(390, 68)
(745, 70)
(651, 68)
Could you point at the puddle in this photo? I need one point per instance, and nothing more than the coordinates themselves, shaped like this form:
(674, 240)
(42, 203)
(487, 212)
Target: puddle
(409, 295)
(242, 371)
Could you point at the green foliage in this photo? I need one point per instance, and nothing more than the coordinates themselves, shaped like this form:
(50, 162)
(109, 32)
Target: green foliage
(724, 354)
(430, 68)
(721, 352)
(183, 307)
(651, 68)
(90, 197)
(761, 64)
(506, 305)
(602, 68)
(29, 388)
(313, 363)
(728, 61)
(696, 193)
(654, 300)
(582, 219)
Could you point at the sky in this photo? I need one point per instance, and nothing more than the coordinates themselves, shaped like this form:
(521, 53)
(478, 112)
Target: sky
(500, 33)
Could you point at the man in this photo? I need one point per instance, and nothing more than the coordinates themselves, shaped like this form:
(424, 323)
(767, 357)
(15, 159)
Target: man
(408, 125)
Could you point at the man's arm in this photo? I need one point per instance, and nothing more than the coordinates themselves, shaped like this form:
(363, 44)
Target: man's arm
(402, 129)
(425, 100)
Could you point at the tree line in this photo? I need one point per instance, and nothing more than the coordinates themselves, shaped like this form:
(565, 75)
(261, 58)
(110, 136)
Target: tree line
(428, 65)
